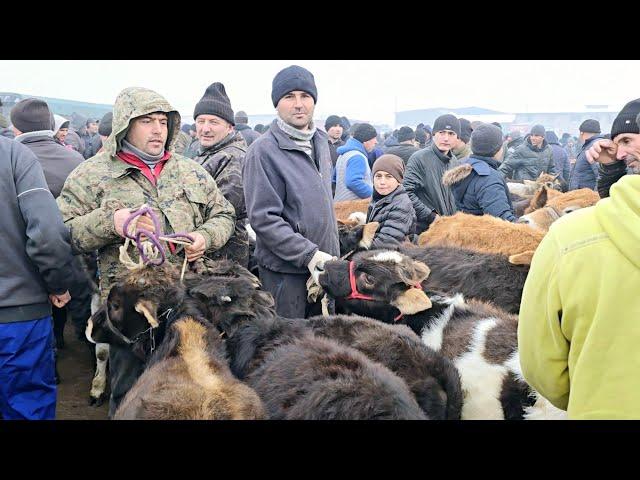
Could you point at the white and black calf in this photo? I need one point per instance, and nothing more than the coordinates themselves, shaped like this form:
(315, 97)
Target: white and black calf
(479, 338)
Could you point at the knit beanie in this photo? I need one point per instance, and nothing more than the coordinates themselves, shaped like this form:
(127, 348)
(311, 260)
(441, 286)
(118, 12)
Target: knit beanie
(290, 79)
(391, 164)
(185, 128)
(242, 117)
(332, 121)
(590, 126)
(215, 102)
(31, 115)
(625, 122)
(421, 136)
(447, 122)
(465, 130)
(538, 130)
(104, 127)
(363, 132)
(404, 134)
(486, 140)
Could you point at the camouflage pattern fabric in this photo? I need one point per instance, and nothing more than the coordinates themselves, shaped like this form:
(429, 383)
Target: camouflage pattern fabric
(224, 163)
(186, 198)
(4, 123)
(182, 142)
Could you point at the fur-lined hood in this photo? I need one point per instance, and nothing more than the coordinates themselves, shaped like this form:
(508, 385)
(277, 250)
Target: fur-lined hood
(456, 175)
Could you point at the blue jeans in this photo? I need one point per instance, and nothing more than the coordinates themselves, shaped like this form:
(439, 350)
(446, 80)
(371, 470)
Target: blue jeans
(27, 384)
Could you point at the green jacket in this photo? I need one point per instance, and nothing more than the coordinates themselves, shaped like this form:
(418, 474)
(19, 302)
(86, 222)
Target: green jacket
(186, 198)
(528, 162)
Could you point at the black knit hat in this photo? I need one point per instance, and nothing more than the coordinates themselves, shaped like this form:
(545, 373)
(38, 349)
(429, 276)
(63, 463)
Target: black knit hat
(104, 127)
(538, 130)
(421, 135)
(290, 79)
(405, 134)
(242, 117)
(447, 122)
(486, 140)
(332, 121)
(625, 122)
(363, 132)
(590, 126)
(465, 130)
(215, 102)
(31, 115)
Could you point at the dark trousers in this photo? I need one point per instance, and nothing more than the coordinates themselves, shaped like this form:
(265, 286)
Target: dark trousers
(289, 291)
(124, 370)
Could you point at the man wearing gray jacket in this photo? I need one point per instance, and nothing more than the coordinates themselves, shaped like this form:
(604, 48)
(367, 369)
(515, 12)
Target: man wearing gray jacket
(35, 267)
(287, 189)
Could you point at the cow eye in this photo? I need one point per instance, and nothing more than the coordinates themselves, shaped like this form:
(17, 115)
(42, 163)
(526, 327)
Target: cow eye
(369, 281)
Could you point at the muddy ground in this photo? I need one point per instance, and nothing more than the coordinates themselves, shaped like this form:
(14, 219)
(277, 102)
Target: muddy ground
(75, 366)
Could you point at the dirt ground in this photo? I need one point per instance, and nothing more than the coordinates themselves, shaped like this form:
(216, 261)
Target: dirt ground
(76, 372)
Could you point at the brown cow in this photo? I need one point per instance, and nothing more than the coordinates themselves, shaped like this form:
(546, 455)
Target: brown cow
(345, 209)
(484, 233)
(549, 209)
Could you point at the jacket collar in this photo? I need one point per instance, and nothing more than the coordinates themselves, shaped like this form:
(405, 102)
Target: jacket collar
(387, 198)
(482, 165)
(446, 158)
(284, 141)
(352, 144)
(33, 135)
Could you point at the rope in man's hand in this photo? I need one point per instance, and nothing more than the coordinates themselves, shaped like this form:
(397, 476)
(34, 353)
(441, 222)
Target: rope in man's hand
(150, 248)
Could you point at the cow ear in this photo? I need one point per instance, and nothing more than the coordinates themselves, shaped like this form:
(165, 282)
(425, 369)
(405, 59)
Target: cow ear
(148, 309)
(414, 272)
(540, 199)
(412, 301)
(368, 232)
(523, 258)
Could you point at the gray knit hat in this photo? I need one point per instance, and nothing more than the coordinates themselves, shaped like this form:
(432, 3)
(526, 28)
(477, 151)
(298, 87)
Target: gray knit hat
(105, 125)
(538, 130)
(31, 115)
(486, 140)
(242, 117)
(590, 126)
(290, 79)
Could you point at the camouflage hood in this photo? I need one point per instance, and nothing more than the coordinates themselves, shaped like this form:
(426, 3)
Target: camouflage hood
(134, 102)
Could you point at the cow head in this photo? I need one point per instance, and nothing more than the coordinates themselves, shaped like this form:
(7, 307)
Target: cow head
(383, 280)
(549, 209)
(130, 315)
(355, 236)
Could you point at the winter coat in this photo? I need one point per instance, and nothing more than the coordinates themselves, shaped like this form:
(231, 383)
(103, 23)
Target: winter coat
(396, 216)
(224, 162)
(334, 152)
(403, 150)
(510, 147)
(585, 174)
(423, 183)
(560, 157)
(89, 144)
(185, 197)
(391, 141)
(57, 161)
(352, 174)
(289, 201)
(528, 162)
(608, 175)
(463, 153)
(7, 133)
(247, 133)
(35, 258)
(578, 326)
(182, 142)
(75, 141)
(373, 155)
(480, 189)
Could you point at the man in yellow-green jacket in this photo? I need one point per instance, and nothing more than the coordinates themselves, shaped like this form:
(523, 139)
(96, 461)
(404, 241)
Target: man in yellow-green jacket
(579, 330)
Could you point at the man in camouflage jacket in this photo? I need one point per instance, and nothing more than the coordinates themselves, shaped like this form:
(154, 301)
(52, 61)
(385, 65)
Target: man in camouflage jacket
(137, 165)
(221, 152)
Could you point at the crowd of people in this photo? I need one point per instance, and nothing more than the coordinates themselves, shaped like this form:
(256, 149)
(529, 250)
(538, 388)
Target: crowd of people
(69, 186)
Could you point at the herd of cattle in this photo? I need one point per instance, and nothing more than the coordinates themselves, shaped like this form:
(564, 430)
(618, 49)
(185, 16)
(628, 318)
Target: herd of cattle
(425, 331)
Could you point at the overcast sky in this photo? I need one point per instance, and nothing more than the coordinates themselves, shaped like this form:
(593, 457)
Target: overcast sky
(363, 89)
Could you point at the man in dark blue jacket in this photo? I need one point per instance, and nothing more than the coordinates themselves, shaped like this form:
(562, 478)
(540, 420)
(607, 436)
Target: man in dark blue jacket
(35, 269)
(560, 158)
(585, 174)
(287, 179)
(477, 185)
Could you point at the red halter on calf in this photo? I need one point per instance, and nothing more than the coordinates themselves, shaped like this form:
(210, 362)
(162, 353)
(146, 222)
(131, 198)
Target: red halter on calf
(356, 295)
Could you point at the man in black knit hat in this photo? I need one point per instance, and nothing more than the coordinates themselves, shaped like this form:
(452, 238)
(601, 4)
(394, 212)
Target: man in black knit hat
(423, 178)
(242, 126)
(333, 127)
(288, 193)
(533, 157)
(406, 144)
(462, 149)
(221, 152)
(620, 154)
